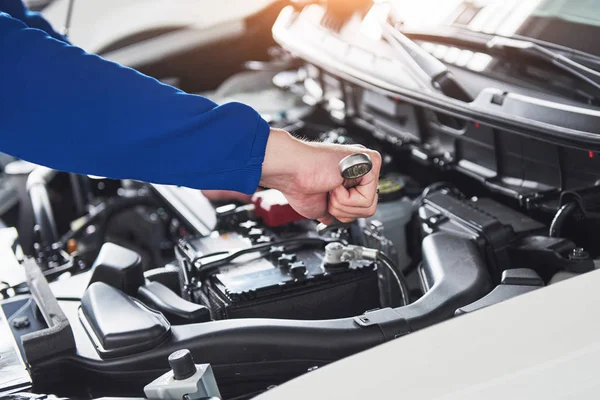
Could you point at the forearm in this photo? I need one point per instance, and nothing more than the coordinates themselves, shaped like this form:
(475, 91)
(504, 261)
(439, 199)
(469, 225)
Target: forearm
(73, 111)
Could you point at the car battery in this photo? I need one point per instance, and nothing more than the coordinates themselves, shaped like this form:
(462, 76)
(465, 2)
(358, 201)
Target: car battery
(280, 282)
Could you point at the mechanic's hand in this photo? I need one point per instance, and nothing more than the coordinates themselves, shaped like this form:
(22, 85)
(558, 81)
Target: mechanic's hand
(308, 175)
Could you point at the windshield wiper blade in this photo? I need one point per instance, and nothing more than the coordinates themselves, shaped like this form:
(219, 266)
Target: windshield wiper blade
(503, 46)
(571, 67)
(428, 68)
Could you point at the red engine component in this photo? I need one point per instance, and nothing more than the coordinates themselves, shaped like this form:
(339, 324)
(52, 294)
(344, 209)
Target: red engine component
(273, 208)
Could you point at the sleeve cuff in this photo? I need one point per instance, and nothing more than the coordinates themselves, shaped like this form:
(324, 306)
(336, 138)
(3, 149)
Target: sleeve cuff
(257, 156)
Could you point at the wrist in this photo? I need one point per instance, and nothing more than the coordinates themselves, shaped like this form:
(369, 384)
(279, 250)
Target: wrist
(279, 169)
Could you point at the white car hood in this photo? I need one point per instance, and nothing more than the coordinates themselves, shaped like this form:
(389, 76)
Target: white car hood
(98, 23)
(541, 345)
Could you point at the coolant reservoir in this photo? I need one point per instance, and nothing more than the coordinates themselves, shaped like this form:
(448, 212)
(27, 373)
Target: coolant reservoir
(394, 211)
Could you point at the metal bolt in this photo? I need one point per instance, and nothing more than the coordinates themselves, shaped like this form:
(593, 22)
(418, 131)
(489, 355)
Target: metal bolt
(346, 257)
(579, 254)
(376, 226)
(21, 323)
(334, 253)
(334, 246)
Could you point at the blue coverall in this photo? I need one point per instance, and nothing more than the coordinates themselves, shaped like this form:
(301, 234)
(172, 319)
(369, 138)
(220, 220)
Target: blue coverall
(73, 111)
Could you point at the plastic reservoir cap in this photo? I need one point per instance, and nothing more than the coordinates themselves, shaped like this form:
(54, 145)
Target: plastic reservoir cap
(182, 364)
(273, 208)
(390, 188)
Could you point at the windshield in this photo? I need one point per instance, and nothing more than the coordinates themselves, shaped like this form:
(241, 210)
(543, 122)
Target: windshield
(579, 12)
(570, 23)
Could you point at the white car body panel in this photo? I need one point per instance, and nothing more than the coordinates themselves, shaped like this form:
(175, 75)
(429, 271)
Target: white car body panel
(541, 345)
(97, 24)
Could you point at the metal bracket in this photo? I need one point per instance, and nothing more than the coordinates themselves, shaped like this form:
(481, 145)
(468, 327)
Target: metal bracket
(392, 325)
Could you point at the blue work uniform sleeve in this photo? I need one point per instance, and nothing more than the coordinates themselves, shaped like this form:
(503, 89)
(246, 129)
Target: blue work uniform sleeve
(76, 112)
(18, 10)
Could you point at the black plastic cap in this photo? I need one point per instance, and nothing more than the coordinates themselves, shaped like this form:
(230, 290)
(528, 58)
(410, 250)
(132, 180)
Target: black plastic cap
(276, 251)
(118, 267)
(182, 364)
(286, 259)
(298, 269)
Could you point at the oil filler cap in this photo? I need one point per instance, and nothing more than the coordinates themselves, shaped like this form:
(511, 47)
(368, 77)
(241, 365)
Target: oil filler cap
(182, 364)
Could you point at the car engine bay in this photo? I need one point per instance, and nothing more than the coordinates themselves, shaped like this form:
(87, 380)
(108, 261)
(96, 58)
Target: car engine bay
(117, 277)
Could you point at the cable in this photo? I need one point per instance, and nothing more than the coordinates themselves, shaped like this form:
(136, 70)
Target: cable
(216, 253)
(436, 186)
(259, 247)
(77, 193)
(431, 188)
(211, 266)
(107, 210)
(391, 265)
(559, 219)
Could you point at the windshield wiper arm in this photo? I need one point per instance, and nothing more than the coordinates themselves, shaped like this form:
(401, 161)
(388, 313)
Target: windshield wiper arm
(429, 69)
